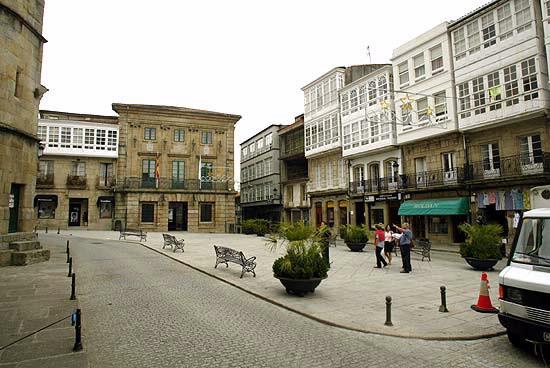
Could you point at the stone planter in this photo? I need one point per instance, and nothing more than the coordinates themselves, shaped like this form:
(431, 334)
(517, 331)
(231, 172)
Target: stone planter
(300, 286)
(356, 247)
(481, 264)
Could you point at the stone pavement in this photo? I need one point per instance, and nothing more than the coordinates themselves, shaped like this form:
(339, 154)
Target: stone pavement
(32, 297)
(353, 295)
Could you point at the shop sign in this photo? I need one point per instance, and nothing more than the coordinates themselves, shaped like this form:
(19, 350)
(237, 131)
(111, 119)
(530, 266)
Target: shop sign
(383, 197)
(11, 201)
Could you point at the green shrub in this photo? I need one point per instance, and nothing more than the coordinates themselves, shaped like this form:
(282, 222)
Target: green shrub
(354, 234)
(482, 241)
(256, 226)
(303, 260)
(249, 227)
(296, 231)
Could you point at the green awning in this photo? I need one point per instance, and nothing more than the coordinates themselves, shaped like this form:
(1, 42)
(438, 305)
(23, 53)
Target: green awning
(435, 207)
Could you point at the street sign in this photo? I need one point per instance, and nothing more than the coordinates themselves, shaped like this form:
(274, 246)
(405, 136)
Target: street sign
(11, 201)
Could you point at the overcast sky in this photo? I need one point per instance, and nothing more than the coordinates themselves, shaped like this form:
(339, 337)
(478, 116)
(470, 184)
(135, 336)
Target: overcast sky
(234, 56)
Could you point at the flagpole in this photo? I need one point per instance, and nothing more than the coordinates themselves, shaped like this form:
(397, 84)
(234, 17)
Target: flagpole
(157, 171)
(200, 164)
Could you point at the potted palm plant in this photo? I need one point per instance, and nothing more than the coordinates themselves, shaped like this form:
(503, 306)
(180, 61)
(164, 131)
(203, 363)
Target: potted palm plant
(302, 268)
(355, 237)
(481, 250)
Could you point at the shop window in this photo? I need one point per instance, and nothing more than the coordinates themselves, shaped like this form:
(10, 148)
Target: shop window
(147, 212)
(106, 210)
(206, 212)
(438, 225)
(46, 210)
(377, 216)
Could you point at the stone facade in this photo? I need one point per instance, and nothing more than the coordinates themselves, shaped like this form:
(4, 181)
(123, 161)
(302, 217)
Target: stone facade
(179, 143)
(20, 92)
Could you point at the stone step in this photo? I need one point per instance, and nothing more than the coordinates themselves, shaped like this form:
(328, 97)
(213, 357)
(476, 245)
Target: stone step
(6, 239)
(22, 246)
(30, 257)
(5, 257)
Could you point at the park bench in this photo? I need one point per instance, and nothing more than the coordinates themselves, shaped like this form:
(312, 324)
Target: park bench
(422, 247)
(142, 235)
(172, 242)
(332, 240)
(225, 255)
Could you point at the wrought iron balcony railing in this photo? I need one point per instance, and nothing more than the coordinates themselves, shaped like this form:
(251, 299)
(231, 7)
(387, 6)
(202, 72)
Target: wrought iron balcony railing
(174, 184)
(509, 167)
(434, 178)
(76, 181)
(105, 181)
(45, 180)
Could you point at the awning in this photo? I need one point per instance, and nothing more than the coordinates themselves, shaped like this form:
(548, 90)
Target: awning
(105, 199)
(435, 207)
(45, 198)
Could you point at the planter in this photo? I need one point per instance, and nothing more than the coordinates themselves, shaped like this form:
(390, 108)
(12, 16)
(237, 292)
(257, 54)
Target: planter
(356, 247)
(300, 286)
(481, 264)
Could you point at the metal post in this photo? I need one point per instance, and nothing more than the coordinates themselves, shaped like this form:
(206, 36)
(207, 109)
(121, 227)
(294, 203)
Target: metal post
(58, 230)
(67, 247)
(70, 267)
(46, 229)
(78, 334)
(68, 254)
(443, 306)
(73, 286)
(388, 312)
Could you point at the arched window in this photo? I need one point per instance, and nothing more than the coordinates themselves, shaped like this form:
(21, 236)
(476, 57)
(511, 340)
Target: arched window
(372, 92)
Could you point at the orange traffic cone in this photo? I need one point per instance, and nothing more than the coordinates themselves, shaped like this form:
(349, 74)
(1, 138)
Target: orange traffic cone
(484, 301)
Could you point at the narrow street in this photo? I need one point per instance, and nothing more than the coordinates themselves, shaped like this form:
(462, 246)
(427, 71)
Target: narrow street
(141, 309)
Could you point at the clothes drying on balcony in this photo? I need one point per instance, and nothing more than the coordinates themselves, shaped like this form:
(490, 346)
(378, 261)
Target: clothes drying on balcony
(503, 200)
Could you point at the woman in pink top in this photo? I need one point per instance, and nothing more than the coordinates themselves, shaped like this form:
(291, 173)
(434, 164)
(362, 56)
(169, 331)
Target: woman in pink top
(389, 243)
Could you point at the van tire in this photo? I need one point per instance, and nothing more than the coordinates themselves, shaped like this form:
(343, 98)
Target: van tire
(515, 339)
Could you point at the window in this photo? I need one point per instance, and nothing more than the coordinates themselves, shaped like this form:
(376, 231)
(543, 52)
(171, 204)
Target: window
(422, 108)
(179, 134)
(111, 140)
(440, 104)
(252, 148)
(46, 209)
(45, 168)
(100, 139)
(18, 86)
(267, 166)
(147, 212)
(403, 69)
(78, 168)
(353, 101)
(479, 95)
(207, 169)
(419, 69)
(303, 192)
(392, 171)
(436, 56)
(523, 15)
(333, 94)
(148, 178)
(77, 137)
(89, 138)
(65, 137)
(493, 84)
(490, 157)
(438, 224)
(260, 144)
(150, 134)
(464, 99)
(374, 172)
(530, 150)
(319, 93)
(382, 87)
(460, 43)
(529, 79)
(372, 92)
(269, 139)
(420, 164)
(53, 136)
(345, 103)
(105, 174)
(245, 151)
(374, 129)
(472, 30)
(105, 209)
(206, 137)
(362, 95)
(448, 161)
(347, 136)
(505, 26)
(511, 85)
(41, 133)
(547, 2)
(488, 30)
(178, 172)
(359, 174)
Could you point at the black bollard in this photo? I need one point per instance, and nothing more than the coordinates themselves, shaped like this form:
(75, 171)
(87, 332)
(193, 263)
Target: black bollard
(46, 229)
(58, 230)
(73, 286)
(78, 334)
(68, 254)
(70, 267)
(443, 306)
(388, 312)
(67, 247)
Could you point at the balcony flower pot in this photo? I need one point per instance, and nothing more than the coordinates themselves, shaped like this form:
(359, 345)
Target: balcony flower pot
(356, 247)
(300, 287)
(481, 250)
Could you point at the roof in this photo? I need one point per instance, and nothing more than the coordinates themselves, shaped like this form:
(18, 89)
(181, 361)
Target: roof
(473, 13)
(63, 115)
(539, 212)
(331, 71)
(296, 125)
(172, 109)
(260, 132)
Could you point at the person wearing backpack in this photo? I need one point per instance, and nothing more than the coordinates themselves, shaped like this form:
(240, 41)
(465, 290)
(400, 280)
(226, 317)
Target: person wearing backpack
(379, 237)
(406, 243)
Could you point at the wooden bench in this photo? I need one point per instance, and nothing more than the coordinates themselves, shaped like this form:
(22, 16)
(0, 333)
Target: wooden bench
(129, 232)
(422, 247)
(225, 255)
(172, 242)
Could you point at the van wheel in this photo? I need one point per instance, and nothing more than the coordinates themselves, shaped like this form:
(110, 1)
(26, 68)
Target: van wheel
(515, 339)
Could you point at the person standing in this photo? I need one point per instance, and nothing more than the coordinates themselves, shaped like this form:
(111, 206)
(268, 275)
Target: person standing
(389, 243)
(379, 237)
(406, 242)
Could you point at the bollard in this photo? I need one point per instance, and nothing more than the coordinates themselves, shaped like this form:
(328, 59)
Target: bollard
(68, 255)
(46, 229)
(70, 267)
(58, 230)
(73, 286)
(77, 329)
(443, 306)
(67, 247)
(388, 312)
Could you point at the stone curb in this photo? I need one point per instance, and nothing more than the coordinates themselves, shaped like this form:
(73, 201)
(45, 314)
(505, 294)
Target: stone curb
(323, 321)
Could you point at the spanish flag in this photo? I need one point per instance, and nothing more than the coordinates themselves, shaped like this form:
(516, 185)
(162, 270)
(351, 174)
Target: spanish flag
(157, 170)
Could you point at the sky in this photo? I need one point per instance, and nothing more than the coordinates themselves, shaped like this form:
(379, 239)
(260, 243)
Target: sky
(243, 57)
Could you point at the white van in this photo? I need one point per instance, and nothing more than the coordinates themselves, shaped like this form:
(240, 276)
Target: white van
(524, 289)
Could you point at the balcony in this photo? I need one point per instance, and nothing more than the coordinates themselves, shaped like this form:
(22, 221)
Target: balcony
(76, 182)
(133, 183)
(326, 185)
(509, 167)
(105, 182)
(434, 178)
(45, 181)
(390, 184)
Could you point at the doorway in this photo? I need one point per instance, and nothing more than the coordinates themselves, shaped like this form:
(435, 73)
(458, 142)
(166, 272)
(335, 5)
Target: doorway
(360, 213)
(15, 195)
(419, 226)
(78, 212)
(177, 216)
(318, 214)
